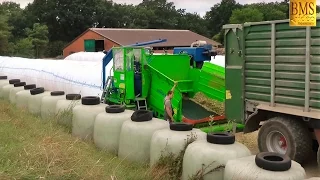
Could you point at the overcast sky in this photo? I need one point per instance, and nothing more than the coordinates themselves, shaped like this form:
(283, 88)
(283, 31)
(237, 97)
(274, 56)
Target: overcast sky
(199, 6)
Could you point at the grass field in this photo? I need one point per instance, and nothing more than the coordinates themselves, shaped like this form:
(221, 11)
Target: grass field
(31, 148)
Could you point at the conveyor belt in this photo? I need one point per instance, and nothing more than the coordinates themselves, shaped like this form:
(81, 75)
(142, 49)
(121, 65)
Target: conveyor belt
(194, 111)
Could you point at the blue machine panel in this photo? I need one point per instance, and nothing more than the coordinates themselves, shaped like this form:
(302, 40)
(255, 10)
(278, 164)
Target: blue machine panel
(198, 53)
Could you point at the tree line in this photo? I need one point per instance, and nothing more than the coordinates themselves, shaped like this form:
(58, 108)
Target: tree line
(44, 27)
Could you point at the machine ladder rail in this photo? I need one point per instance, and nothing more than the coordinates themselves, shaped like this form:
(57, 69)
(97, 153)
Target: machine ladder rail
(106, 90)
(143, 105)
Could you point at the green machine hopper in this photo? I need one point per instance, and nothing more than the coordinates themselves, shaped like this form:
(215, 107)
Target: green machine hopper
(142, 79)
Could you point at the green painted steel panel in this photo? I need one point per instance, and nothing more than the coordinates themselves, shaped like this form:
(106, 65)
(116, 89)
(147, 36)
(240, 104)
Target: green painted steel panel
(290, 58)
(234, 75)
(89, 45)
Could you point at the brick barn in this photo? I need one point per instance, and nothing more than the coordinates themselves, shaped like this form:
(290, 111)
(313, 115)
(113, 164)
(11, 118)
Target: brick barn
(99, 39)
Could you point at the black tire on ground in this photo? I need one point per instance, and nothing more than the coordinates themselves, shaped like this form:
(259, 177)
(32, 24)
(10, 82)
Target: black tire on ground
(181, 127)
(3, 77)
(12, 81)
(36, 91)
(90, 100)
(73, 96)
(142, 115)
(221, 138)
(19, 84)
(57, 93)
(273, 161)
(296, 133)
(29, 86)
(115, 108)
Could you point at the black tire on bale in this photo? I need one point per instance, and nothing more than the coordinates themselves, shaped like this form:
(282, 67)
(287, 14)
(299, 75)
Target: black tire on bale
(57, 93)
(36, 91)
(29, 86)
(221, 138)
(90, 100)
(12, 81)
(115, 108)
(273, 161)
(19, 84)
(295, 133)
(73, 96)
(181, 127)
(3, 77)
(142, 115)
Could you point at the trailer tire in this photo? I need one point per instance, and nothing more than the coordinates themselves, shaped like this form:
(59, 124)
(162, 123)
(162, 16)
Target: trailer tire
(293, 135)
(115, 108)
(142, 116)
(273, 161)
(318, 157)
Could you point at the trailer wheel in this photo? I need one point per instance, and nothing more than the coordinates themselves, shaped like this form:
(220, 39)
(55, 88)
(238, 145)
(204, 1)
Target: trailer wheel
(285, 136)
(318, 157)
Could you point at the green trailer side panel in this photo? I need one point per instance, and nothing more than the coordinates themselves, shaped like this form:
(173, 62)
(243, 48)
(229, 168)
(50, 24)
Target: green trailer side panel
(89, 45)
(234, 75)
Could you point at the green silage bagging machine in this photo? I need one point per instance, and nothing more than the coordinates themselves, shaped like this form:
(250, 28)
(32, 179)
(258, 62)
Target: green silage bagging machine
(141, 80)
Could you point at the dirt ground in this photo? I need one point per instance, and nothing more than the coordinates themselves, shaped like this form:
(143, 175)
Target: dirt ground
(250, 140)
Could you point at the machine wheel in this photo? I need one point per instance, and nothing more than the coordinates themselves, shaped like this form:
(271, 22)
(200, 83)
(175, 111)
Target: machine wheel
(288, 136)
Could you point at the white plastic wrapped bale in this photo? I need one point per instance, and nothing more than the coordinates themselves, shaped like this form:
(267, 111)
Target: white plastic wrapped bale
(313, 178)
(84, 117)
(6, 89)
(135, 136)
(264, 166)
(35, 100)
(3, 81)
(48, 104)
(22, 97)
(64, 109)
(17, 87)
(85, 56)
(218, 60)
(211, 155)
(173, 140)
(83, 77)
(107, 127)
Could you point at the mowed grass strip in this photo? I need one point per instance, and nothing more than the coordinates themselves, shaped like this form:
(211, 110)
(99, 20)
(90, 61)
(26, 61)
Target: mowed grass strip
(32, 148)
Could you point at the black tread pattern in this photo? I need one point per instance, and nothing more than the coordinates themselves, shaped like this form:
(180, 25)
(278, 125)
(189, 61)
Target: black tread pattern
(221, 138)
(142, 115)
(90, 100)
(318, 157)
(36, 91)
(57, 93)
(29, 86)
(3, 77)
(299, 133)
(19, 84)
(73, 96)
(12, 81)
(181, 127)
(115, 108)
(273, 161)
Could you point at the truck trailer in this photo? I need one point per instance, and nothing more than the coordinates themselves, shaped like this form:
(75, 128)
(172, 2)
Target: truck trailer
(273, 84)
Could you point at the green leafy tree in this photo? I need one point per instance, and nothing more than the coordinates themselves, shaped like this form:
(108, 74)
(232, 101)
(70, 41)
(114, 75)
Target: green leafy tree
(24, 48)
(246, 15)
(4, 35)
(39, 37)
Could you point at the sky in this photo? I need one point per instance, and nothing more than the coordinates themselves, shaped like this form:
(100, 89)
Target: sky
(199, 6)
